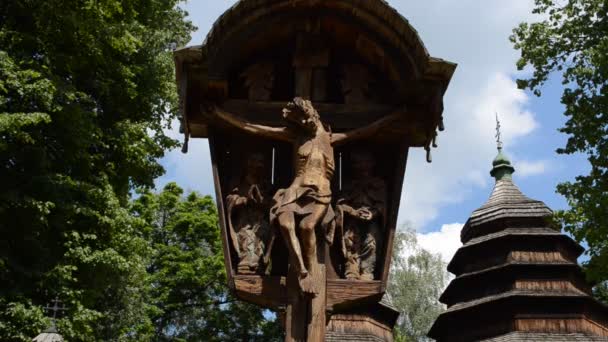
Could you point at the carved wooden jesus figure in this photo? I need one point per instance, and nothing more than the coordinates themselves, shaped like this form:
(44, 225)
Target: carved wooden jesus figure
(305, 204)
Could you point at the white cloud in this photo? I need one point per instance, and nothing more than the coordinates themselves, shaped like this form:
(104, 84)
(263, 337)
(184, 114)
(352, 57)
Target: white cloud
(464, 162)
(474, 35)
(444, 242)
(527, 168)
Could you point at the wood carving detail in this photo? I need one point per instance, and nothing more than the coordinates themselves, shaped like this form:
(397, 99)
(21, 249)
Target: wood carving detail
(303, 210)
(247, 207)
(361, 218)
(259, 79)
(355, 84)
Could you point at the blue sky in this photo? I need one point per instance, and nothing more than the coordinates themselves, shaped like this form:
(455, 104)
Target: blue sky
(439, 197)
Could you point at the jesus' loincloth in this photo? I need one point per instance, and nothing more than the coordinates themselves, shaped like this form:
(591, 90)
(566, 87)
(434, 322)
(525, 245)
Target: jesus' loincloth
(301, 201)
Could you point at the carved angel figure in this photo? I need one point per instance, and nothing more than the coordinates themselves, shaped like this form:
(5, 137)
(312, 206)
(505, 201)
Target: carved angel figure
(259, 79)
(299, 209)
(361, 215)
(247, 207)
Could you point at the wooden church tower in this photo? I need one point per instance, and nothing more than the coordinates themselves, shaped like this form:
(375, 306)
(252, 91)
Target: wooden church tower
(517, 276)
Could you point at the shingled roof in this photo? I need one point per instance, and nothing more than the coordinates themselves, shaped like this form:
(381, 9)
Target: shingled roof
(527, 337)
(517, 276)
(506, 202)
(49, 335)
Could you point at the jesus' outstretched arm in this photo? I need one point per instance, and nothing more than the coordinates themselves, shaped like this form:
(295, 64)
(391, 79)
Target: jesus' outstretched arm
(366, 131)
(217, 114)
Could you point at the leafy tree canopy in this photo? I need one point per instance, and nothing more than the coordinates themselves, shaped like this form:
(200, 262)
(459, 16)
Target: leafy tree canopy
(601, 291)
(188, 294)
(85, 87)
(416, 282)
(572, 40)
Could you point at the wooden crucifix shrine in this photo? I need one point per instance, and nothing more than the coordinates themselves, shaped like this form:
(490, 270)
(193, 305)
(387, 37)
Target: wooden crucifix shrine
(310, 108)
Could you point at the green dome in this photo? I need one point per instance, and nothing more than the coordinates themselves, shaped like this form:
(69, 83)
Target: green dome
(501, 158)
(502, 167)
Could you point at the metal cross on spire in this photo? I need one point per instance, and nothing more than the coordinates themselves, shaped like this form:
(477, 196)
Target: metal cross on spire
(498, 134)
(55, 308)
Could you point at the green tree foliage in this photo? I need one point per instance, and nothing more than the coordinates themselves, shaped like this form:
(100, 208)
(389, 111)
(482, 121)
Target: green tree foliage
(416, 282)
(572, 40)
(601, 292)
(85, 87)
(188, 287)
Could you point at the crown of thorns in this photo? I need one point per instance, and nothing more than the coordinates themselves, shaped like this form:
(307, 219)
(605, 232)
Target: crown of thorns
(305, 106)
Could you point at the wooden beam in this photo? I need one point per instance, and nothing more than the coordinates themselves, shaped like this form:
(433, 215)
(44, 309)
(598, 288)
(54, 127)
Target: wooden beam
(245, 107)
(183, 104)
(394, 210)
(344, 293)
(267, 291)
(219, 199)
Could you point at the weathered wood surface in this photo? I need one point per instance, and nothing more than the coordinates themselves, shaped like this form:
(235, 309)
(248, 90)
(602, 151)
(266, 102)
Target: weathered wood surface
(305, 315)
(259, 80)
(219, 199)
(375, 16)
(266, 291)
(316, 325)
(296, 313)
(391, 223)
(270, 112)
(345, 293)
(183, 100)
(547, 286)
(352, 325)
(272, 291)
(538, 256)
(371, 32)
(538, 244)
(561, 325)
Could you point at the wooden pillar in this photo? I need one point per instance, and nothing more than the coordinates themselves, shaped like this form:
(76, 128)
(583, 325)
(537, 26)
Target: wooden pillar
(305, 315)
(316, 323)
(296, 313)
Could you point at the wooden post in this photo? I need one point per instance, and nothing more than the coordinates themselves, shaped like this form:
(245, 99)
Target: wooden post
(296, 313)
(316, 323)
(305, 315)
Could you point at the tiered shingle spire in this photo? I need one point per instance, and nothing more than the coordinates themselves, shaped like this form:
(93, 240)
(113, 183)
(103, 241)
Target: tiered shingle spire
(517, 276)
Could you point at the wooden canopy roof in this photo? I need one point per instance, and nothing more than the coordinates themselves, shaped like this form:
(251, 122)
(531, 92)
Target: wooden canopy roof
(373, 31)
(250, 18)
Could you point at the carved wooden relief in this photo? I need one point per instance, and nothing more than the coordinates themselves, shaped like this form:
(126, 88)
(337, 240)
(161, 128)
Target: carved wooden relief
(310, 63)
(247, 208)
(355, 84)
(361, 218)
(304, 206)
(259, 79)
